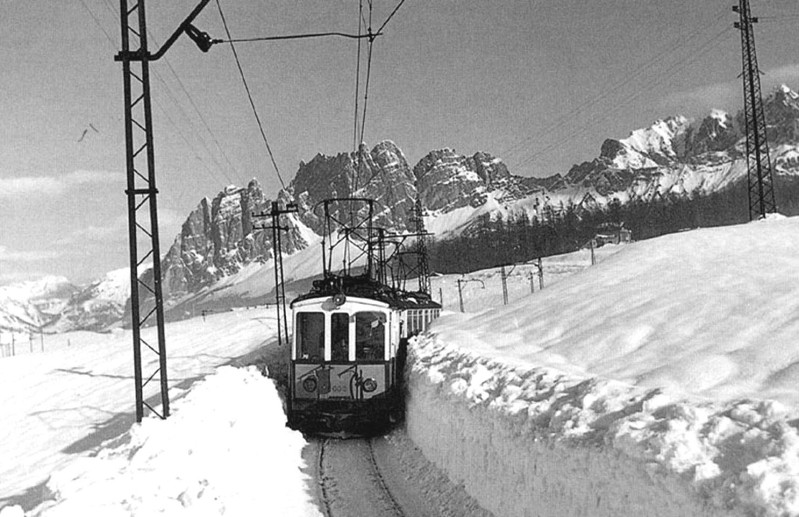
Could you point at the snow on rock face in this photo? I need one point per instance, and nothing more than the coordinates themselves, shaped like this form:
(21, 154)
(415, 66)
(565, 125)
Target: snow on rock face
(213, 456)
(382, 174)
(217, 239)
(448, 181)
(97, 305)
(28, 306)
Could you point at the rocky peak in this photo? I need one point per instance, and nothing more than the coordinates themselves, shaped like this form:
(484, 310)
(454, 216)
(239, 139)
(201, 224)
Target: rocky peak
(715, 133)
(781, 109)
(382, 174)
(217, 239)
(447, 180)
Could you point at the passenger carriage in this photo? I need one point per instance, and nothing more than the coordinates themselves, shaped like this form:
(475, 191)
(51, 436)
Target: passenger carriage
(348, 354)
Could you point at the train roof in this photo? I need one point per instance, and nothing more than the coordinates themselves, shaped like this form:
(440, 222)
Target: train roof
(362, 287)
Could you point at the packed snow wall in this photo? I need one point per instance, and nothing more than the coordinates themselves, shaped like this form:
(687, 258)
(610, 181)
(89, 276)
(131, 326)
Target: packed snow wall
(530, 442)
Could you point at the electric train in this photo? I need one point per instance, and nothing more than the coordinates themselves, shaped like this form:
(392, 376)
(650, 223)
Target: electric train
(348, 352)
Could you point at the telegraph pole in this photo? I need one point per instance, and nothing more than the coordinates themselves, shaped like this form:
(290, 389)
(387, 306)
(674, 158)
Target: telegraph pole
(462, 281)
(141, 191)
(277, 253)
(759, 174)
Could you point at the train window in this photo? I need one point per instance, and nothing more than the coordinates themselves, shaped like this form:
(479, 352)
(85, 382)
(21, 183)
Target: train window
(311, 335)
(370, 336)
(340, 336)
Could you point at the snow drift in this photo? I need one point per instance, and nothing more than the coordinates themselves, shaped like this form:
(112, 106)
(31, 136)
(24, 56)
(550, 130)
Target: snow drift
(660, 382)
(208, 458)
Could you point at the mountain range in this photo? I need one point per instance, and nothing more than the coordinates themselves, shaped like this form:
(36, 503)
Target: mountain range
(219, 258)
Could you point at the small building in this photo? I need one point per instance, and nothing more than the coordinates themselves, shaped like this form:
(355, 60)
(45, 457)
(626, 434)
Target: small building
(612, 233)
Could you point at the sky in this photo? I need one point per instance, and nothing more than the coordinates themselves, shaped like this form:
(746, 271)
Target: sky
(539, 84)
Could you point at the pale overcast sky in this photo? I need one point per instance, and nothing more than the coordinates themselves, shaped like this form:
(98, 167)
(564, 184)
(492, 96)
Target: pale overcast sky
(540, 84)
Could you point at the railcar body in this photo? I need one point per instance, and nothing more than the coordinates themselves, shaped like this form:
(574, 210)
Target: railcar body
(348, 354)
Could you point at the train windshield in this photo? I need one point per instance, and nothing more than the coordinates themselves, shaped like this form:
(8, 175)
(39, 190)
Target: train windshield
(340, 336)
(370, 336)
(311, 335)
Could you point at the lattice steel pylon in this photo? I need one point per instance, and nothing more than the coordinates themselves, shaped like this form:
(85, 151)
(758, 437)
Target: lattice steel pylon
(141, 195)
(421, 247)
(759, 173)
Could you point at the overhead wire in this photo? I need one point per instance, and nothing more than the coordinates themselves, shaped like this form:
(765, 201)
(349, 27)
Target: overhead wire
(615, 90)
(584, 128)
(290, 36)
(357, 80)
(380, 30)
(368, 73)
(249, 95)
(159, 105)
(678, 42)
(700, 52)
(173, 98)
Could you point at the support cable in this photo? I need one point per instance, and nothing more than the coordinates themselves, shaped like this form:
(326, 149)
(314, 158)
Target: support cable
(698, 53)
(357, 83)
(291, 36)
(368, 75)
(389, 16)
(640, 70)
(249, 95)
(171, 96)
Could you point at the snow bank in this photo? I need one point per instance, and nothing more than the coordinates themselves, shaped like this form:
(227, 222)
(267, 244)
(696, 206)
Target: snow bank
(79, 392)
(659, 382)
(225, 450)
(533, 441)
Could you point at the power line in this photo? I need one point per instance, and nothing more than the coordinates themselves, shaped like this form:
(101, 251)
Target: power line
(193, 104)
(380, 30)
(700, 52)
(678, 42)
(368, 73)
(249, 95)
(293, 36)
(357, 81)
(160, 106)
(97, 22)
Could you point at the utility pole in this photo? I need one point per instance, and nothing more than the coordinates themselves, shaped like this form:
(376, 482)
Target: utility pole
(277, 253)
(462, 281)
(504, 277)
(141, 190)
(759, 174)
(540, 266)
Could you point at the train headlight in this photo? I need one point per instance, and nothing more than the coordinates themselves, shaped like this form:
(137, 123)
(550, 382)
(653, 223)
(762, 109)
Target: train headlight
(309, 384)
(369, 385)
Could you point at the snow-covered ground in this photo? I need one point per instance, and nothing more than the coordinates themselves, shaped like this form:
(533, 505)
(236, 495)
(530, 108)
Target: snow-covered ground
(214, 456)
(661, 381)
(63, 403)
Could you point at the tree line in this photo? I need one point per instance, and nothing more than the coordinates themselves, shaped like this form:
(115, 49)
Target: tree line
(491, 242)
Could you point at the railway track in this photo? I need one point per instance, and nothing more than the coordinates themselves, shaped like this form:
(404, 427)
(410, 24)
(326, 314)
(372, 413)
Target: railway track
(350, 481)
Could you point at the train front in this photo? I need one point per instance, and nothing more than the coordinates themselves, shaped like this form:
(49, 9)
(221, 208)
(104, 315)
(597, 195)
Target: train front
(343, 374)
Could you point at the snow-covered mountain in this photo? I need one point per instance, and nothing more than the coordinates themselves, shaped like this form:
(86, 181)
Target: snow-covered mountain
(219, 247)
(31, 305)
(53, 304)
